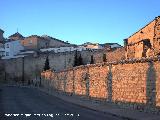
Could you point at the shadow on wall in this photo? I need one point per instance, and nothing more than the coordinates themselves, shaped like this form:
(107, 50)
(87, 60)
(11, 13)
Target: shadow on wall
(151, 85)
(109, 83)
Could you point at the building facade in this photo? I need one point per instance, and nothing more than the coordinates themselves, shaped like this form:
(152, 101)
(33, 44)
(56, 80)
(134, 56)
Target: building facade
(145, 42)
(12, 48)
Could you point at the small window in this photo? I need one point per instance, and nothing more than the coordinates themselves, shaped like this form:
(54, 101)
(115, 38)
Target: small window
(7, 45)
(7, 53)
(30, 41)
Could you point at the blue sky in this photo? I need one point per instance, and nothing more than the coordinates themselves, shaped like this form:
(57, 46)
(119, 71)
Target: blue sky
(78, 21)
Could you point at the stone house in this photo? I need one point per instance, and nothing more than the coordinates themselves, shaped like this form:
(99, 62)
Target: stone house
(145, 42)
(35, 42)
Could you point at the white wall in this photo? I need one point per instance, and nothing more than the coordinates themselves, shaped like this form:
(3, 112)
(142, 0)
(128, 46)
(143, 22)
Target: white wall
(115, 46)
(12, 48)
(63, 49)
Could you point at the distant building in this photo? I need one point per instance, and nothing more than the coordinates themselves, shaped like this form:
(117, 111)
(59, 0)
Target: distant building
(16, 36)
(35, 42)
(109, 46)
(12, 48)
(89, 45)
(62, 49)
(54, 42)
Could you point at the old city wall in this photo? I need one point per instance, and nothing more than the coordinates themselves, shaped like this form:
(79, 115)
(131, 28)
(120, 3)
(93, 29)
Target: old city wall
(134, 84)
(30, 67)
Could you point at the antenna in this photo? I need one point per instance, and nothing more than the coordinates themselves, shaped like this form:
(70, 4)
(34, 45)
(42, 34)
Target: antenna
(17, 30)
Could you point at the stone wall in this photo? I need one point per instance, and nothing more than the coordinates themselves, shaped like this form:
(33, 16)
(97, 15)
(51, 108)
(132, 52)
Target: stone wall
(31, 66)
(128, 83)
(148, 36)
(115, 55)
(146, 32)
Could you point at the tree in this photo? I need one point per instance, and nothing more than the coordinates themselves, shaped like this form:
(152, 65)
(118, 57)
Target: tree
(46, 66)
(92, 61)
(80, 60)
(104, 58)
(75, 60)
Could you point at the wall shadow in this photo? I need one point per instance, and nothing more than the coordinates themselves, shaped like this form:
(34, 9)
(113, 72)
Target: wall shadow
(109, 83)
(151, 85)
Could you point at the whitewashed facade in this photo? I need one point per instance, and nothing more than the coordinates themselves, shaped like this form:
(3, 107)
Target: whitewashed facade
(63, 49)
(12, 48)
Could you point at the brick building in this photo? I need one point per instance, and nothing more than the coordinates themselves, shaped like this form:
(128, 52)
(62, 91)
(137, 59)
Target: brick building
(145, 42)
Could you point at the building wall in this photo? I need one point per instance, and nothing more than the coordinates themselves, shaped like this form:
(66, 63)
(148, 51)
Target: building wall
(145, 33)
(56, 43)
(12, 48)
(115, 55)
(33, 65)
(140, 48)
(133, 84)
(41, 43)
(30, 43)
(150, 32)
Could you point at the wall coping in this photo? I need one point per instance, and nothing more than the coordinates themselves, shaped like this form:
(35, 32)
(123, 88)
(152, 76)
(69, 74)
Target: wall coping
(121, 62)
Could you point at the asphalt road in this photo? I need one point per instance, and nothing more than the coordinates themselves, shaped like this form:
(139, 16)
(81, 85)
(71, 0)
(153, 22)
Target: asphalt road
(18, 103)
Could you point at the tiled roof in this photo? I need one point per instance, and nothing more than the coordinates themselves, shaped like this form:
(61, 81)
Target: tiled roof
(17, 34)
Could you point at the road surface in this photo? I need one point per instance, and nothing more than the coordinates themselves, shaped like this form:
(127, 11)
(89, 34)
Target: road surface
(18, 103)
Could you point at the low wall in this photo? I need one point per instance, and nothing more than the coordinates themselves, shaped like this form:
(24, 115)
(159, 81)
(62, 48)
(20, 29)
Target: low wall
(128, 83)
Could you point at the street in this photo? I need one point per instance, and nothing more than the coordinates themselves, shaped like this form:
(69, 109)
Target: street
(28, 103)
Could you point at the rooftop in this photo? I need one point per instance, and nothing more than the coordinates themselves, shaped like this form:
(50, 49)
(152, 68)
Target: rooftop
(17, 34)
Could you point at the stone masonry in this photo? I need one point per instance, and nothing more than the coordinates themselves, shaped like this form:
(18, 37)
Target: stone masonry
(134, 84)
(145, 42)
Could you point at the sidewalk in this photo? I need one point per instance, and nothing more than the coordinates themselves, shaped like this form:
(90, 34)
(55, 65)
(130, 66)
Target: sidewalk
(106, 108)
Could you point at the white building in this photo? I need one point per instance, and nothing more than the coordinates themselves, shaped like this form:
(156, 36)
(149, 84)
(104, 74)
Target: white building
(63, 49)
(12, 48)
(89, 45)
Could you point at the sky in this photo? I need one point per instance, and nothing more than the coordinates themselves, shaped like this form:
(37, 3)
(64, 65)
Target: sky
(77, 21)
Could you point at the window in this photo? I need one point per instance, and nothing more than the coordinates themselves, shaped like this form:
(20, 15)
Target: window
(7, 45)
(7, 53)
(30, 41)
